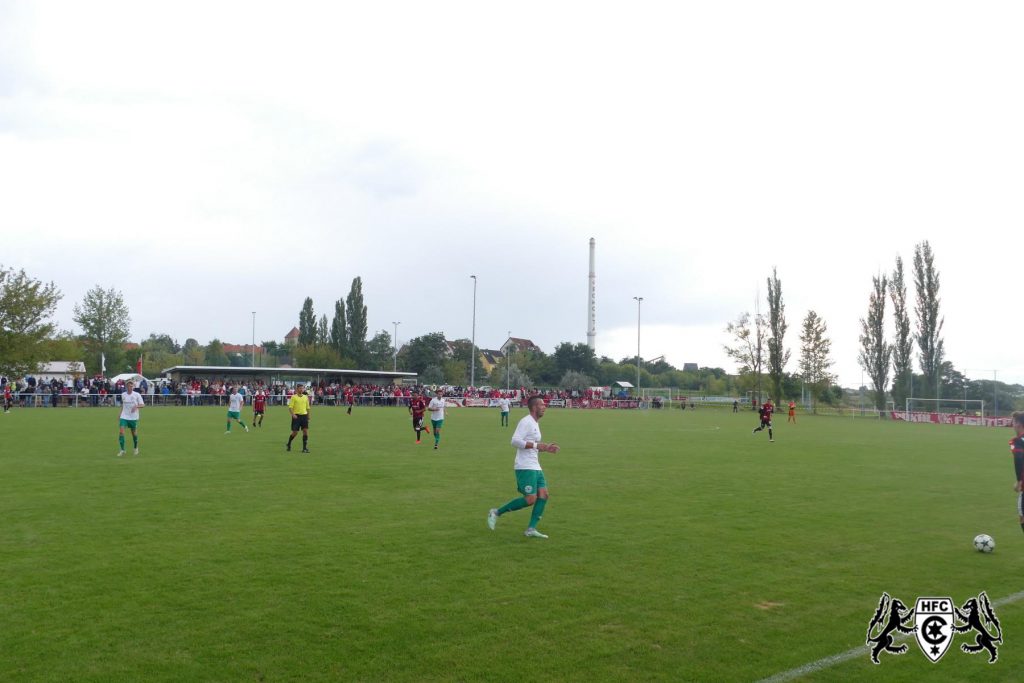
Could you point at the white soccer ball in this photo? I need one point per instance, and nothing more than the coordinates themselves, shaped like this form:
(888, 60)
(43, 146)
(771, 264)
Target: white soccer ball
(984, 543)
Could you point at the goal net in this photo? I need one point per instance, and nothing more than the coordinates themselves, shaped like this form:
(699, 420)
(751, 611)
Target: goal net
(971, 407)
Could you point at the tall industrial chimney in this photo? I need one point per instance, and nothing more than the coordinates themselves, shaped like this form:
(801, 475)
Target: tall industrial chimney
(592, 301)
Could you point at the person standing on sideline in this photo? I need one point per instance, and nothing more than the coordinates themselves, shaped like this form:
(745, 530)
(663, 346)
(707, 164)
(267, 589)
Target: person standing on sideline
(766, 419)
(436, 408)
(504, 404)
(131, 403)
(792, 412)
(529, 476)
(735, 406)
(1017, 450)
(298, 407)
(235, 401)
(259, 406)
(417, 406)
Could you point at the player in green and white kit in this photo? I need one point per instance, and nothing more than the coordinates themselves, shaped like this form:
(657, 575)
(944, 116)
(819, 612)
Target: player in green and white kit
(131, 402)
(529, 476)
(436, 408)
(504, 404)
(235, 401)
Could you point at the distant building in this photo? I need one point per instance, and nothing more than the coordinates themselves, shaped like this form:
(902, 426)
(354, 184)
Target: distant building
(292, 338)
(64, 371)
(690, 367)
(490, 358)
(519, 344)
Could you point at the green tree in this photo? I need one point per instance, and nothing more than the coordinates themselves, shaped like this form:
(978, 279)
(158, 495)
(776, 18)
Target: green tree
(462, 351)
(778, 354)
(381, 352)
(815, 348)
(26, 306)
(432, 374)
(317, 357)
(63, 346)
(574, 380)
(355, 327)
(578, 357)
(307, 324)
(192, 353)
(512, 374)
(323, 332)
(159, 342)
(875, 352)
(903, 343)
(929, 322)
(425, 351)
(215, 354)
(748, 350)
(339, 333)
(105, 322)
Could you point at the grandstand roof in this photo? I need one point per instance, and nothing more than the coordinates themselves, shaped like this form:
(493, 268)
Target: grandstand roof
(291, 374)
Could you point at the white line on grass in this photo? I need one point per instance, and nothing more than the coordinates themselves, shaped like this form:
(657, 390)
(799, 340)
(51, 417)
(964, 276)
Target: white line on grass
(858, 651)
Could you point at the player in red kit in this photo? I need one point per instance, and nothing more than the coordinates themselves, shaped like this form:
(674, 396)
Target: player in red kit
(417, 406)
(259, 406)
(8, 399)
(766, 419)
(350, 399)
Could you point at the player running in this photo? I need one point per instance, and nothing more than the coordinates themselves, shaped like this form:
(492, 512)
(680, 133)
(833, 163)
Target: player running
(259, 406)
(235, 402)
(529, 476)
(417, 406)
(1017, 449)
(766, 419)
(350, 399)
(131, 403)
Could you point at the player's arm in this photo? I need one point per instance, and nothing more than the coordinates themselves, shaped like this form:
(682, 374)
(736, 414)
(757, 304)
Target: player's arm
(1018, 465)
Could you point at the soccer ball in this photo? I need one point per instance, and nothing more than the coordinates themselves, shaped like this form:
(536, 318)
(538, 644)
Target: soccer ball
(984, 543)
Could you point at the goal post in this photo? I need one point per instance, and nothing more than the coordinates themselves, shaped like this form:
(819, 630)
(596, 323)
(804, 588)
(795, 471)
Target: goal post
(972, 407)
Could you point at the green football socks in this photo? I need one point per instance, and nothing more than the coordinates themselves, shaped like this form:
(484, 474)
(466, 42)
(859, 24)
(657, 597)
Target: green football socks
(538, 512)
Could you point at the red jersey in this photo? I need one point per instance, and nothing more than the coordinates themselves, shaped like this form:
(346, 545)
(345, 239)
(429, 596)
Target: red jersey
(259, 402)
(417, 406)
(766, 411)
(349, 397)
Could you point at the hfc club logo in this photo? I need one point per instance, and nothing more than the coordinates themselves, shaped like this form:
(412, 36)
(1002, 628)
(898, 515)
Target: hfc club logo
(934, 623)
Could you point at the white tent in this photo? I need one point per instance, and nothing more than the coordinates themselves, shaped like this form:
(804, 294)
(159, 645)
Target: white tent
(129, 376)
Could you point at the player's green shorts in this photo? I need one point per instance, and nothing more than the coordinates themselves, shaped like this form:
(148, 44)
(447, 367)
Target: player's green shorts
(130, 424)
(437, 424)
(504, 413)
(528, 482)
(234, 415)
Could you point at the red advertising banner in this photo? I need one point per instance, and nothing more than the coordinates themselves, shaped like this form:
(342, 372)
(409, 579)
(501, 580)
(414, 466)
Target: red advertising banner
(950, 419)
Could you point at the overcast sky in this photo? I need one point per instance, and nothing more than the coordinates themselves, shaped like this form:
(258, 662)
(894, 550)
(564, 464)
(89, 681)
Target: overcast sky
(210, 159)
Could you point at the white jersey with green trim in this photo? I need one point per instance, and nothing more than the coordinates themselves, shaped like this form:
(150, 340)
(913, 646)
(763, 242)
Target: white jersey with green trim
(526, 430)
(130, 404)
(235, 402)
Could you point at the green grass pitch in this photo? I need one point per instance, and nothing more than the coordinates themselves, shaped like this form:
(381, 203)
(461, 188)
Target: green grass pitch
(682, 547)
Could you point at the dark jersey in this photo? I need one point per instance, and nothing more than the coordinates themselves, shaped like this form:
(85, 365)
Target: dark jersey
(1017, 449)
(417, 406)
(766, 412)
(259, 403)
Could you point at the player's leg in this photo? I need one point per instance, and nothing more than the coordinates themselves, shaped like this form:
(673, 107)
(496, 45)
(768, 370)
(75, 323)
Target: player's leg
(120, 437)
(771, 437)
(437, 424)
(295, 430)
(526, 484)
(416, 428)
(305, 439)
(542, 501)
(1020, 509)
(227, 429)
(135, 439)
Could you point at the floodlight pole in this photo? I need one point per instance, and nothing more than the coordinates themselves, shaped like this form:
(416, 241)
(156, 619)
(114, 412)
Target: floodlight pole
(472, 356)
(508, 367)
(638, 300)
(395, 365)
